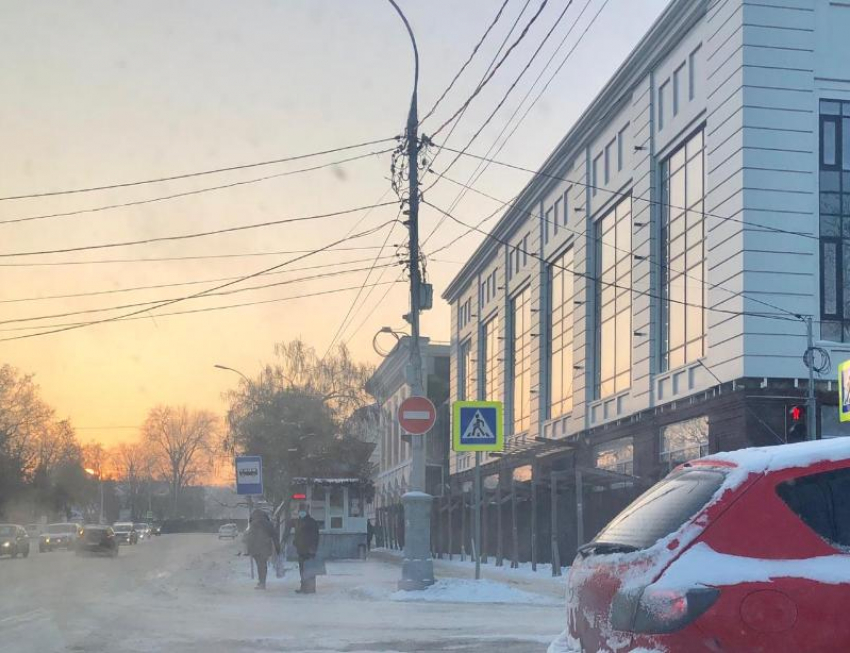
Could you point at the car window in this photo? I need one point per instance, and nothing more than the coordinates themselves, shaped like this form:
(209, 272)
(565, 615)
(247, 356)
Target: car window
(663, 508)
(5, 531)
(820, 500)
(60, 528)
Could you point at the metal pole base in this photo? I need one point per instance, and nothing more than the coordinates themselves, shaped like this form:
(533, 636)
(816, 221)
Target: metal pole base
(417, 568)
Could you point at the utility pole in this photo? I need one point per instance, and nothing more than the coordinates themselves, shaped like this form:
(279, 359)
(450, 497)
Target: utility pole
(811, 403)
(417, 571)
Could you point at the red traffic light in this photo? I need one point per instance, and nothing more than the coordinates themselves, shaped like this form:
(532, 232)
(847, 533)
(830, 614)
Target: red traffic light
(299, 497)
(797, 413)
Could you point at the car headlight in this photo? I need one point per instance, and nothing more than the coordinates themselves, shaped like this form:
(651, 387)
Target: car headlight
(6, 544)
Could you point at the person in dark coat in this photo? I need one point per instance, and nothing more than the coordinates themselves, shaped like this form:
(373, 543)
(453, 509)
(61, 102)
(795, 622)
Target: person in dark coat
(262, 542)
(306, 544)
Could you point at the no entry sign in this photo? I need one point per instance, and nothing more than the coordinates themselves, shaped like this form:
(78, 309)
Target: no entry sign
(416, 415)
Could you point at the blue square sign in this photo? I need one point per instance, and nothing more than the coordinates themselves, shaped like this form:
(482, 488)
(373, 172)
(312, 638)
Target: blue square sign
(477, 426)
(249, 475)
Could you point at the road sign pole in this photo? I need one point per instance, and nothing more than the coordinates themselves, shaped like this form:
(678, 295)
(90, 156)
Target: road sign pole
(250, 503)
(477, 526)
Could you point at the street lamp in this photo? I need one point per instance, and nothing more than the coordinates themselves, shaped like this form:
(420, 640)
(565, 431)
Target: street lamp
(99, 476)
(230, 369)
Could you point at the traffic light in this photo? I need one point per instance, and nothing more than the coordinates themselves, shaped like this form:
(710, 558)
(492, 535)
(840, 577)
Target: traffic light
(795, 424)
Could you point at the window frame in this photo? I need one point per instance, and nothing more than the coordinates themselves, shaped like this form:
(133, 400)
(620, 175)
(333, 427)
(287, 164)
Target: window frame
(565, 402)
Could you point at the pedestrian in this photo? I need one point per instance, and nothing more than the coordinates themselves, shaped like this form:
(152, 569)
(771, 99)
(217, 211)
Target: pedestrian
(306, 544)
(370, 533)
(262, 543)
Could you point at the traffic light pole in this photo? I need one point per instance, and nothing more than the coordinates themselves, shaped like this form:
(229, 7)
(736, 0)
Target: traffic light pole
(417, 571)
(811, 403)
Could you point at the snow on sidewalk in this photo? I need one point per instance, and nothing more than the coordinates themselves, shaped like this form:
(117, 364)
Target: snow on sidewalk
(523, 578)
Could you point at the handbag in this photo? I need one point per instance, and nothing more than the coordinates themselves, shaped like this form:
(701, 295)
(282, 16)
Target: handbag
(279, 566)
(314, 567)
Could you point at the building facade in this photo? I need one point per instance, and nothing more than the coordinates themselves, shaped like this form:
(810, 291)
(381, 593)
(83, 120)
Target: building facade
(390, 387)
(642, 301)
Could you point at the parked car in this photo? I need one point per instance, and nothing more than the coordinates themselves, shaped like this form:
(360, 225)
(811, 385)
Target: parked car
(59, 536)
(14, 541)
(742, 551)
(229, 531)
(125, 533)
(143, 530)
(95, 538)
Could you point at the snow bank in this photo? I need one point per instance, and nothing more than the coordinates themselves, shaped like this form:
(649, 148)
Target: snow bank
(460, 590)
(702, 565)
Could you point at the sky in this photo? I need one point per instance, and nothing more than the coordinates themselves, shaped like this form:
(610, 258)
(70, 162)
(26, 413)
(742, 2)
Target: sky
(98, 93)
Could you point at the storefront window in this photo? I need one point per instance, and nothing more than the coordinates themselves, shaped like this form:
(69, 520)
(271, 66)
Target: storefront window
(684, 441)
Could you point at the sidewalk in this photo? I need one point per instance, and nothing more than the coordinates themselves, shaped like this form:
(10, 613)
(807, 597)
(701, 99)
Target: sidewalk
(539, 582)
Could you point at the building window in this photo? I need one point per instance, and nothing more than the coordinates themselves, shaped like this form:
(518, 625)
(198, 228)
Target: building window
(464, 314)
(466, 372)
(614, 299)
(616, 456)
(678, 88)
(834, 211)
(490, 340)
(561, 293)
(549, 220)
(556, 218)
(597, 163)
(521, 360)
(683, 255)
(684, 441)
(663, 103)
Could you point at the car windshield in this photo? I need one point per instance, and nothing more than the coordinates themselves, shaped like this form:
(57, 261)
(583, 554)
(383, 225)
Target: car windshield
(6, 531)
(60, 529)
(122, 527)
(661, 510)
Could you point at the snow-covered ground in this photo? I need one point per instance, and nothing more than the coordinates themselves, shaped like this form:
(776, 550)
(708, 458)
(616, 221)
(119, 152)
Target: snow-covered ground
(193, 593)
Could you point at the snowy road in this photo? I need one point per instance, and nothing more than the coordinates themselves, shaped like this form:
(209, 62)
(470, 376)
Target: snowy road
(192, 593)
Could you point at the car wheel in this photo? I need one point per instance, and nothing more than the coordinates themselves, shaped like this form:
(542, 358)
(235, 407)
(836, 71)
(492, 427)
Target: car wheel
(26, 552)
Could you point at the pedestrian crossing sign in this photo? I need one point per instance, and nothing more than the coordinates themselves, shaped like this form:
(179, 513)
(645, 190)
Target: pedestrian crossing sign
(478, 426)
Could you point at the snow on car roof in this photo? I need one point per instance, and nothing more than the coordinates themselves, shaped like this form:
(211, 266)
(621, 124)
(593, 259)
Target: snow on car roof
(784, 456)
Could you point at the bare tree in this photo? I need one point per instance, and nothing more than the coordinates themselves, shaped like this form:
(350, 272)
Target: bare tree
(182, 443)
(133, 464)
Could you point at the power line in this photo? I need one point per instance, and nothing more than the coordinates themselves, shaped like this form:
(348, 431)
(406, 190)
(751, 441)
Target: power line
(467, 62)
(202, 292)
(105, 309)
(610, 284)
(360, 292)
(662, 266)
(495, 69)
(114, 291)
(129, 318)
(380, 301)
(479, 171)
(189, 175)
(199, 257)
(513, 85)
(202, 234)
(650, 201)
(199, 191)
(486, 72)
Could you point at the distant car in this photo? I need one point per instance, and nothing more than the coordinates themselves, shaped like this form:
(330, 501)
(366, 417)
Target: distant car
(125, 533)
(95, 538)
(59, 536)
(156, 530)
(229, 531)
(14, 541)
(144, 530)
(740, 551)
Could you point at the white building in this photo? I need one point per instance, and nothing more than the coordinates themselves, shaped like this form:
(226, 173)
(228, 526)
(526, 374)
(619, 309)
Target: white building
(635, 307)
(389, 386)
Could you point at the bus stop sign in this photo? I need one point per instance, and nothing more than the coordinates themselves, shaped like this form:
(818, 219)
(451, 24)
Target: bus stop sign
(249, 475)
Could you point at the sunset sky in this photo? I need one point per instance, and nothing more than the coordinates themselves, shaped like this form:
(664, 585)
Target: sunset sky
(100, 92)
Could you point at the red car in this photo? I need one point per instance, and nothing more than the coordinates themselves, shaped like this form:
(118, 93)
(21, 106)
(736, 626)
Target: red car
(742, 552)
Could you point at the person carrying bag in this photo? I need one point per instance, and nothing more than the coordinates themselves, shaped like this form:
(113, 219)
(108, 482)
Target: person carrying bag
(307, 545)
